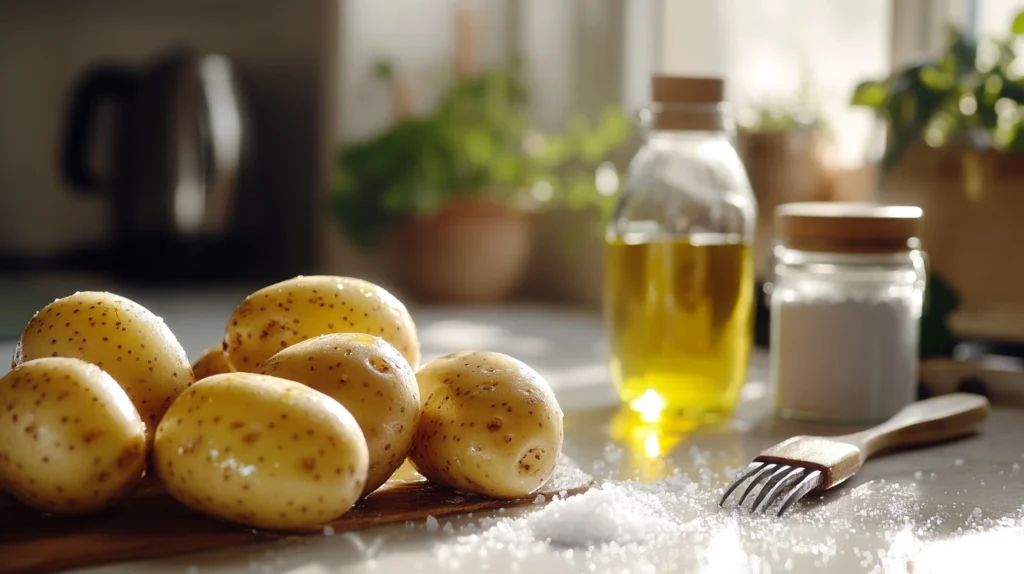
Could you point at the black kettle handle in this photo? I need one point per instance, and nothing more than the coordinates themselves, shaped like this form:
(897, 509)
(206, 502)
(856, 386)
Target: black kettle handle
(104, 82)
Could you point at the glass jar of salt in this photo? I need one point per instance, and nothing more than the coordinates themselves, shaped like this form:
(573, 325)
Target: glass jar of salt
(845, 310)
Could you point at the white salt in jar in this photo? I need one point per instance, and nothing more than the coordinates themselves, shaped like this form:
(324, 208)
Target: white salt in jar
(845, 310)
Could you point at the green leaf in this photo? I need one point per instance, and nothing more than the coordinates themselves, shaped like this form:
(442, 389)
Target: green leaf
(936, 79)
(964, 51)
(1013, 91)
(384, 69)
(1018, 24)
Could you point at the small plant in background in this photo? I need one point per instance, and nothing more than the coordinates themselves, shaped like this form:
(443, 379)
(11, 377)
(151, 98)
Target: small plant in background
(480, 141)
(797, 113)
(970, 95)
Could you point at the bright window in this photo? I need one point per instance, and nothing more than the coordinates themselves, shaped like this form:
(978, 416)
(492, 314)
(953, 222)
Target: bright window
(785, 54)
(994, 17)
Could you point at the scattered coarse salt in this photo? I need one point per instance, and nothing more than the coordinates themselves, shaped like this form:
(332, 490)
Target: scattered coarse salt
(328, 530)
(432, 524)
(540, 499)
(1016, 466)
(959, 462)
(448, 528)
(563, 493)
(610, 513)
(673, 522)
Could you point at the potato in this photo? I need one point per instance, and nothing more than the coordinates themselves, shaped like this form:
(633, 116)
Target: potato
(489, 424)
(285, 313)
(368, 377)
(121, 337)
(71, 442)
(213, 361)
(261, 451)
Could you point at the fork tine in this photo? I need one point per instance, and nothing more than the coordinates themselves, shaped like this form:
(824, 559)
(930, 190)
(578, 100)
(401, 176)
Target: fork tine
(809, 483)
(767, 470)
(743, 475)
(767, 497)
(769, 485)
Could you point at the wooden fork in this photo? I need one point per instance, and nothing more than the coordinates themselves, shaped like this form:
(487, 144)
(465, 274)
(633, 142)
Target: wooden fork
(805, 463)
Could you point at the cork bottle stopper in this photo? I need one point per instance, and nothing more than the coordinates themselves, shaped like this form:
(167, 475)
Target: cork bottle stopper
(687, 90)
(687, 103)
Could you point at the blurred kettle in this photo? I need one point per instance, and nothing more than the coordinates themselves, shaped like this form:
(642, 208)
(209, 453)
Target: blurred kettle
(179, 150)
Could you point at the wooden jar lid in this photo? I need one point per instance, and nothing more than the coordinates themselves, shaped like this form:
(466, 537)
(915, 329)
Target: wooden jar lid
(848, 227)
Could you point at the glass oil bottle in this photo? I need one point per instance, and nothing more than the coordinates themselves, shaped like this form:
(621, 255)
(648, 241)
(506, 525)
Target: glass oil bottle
(679, 270)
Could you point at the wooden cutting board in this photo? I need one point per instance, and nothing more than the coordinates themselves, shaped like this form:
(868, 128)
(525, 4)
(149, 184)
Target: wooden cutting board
(151, 524)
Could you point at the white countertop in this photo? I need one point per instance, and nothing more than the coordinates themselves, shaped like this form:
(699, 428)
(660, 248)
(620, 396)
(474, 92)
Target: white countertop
(947, 508)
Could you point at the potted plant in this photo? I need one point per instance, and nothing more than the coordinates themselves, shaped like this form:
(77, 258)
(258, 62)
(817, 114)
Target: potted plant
(955, 132)
(965, 99)
(454, 189)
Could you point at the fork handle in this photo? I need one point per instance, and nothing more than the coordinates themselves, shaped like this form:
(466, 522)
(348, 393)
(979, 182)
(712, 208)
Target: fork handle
(931, 420)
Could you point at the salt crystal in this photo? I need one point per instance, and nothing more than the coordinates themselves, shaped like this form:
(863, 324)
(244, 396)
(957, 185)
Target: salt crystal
(448, 528)
(612, 454)
(976, 512)
(540, 499)
(563, 493)
(605, 514)
(1016, 466)
(328, 530)
(959, 462)
(431, 524)
(636, 525)
(918, 475)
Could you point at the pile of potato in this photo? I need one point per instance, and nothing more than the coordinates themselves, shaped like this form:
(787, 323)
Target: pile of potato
(314, 399)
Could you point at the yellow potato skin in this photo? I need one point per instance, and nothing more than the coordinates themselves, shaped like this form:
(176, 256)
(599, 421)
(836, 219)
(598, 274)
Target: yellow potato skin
(371, 379)
(213, 361)
(121, 337)
(261, 451)
(489, 424)
(301, 308)
(71, 442)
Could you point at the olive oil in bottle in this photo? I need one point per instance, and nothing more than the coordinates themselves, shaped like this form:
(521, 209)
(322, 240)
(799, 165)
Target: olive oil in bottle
(679, 269)
(680, 314)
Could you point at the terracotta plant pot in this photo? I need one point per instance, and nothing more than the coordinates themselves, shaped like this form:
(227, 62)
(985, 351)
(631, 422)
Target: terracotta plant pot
(473, 250)
(972, 242)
